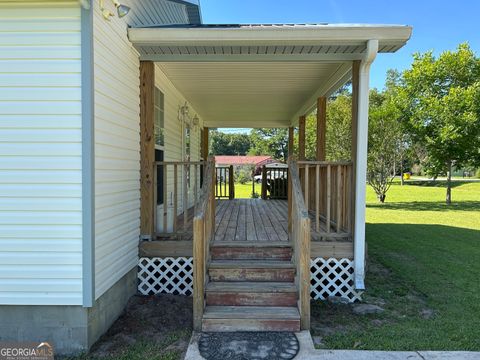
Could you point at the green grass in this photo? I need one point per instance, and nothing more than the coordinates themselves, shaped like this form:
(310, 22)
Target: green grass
(423, 256)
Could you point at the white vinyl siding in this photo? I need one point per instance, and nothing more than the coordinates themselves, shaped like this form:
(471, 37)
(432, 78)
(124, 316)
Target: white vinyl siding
(40, 154)
(117, 152)
(174, 144)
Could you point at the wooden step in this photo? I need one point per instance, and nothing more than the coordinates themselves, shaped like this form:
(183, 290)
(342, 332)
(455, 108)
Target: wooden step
(250, 318)
(251, 250)
(251, 294)
(251, 270)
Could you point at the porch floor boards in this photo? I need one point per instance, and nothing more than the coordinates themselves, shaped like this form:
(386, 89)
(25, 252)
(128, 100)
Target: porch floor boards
(253, 220)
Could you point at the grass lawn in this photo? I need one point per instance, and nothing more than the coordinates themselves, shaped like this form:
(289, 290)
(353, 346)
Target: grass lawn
(423, 269)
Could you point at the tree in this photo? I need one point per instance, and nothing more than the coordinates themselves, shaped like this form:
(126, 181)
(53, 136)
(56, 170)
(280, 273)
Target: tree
(385, 142)
(273, 142)
(229, 144)
(440, 100)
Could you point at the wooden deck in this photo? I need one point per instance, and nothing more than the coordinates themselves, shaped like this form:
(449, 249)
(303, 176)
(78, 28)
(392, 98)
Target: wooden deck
(251, 220)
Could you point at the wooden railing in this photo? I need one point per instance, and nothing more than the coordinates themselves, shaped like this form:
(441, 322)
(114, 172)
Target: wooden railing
(225, 185)
(174, 181)
(274, 183)
(328, 194)
(299, 234)
(203, 233)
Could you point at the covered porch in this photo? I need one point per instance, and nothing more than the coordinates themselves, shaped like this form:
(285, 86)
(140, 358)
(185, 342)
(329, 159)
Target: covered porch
(260, 76)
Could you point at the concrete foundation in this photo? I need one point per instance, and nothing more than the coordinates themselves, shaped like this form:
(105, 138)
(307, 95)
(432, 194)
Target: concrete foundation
(70, 329)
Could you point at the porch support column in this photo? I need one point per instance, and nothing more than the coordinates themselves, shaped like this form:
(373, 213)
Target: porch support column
(147, 149)
(290, 141)
(301, 138)
(321, 128)
(205, 143)
(361, 162)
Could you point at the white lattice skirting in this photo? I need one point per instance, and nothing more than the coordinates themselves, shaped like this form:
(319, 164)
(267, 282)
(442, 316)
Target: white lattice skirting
(330, 277)
(165, 275)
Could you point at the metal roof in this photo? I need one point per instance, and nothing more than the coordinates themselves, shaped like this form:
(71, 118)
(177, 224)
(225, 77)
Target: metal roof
(151, 13)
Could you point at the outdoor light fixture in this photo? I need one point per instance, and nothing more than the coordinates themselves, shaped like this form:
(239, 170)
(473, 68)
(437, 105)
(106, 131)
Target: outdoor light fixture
(185, 117)
(122, 10)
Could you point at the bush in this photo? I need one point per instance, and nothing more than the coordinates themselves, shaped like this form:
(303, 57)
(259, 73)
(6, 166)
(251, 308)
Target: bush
(244, 176)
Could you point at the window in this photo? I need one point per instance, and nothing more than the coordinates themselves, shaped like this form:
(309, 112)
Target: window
(159, 122)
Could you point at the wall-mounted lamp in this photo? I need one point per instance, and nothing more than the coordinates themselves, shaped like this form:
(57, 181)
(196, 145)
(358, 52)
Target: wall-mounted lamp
(185, 117)
(122, 10)
(195, 121)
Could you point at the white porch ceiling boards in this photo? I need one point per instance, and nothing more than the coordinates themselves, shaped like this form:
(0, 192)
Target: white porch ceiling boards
(249, 94)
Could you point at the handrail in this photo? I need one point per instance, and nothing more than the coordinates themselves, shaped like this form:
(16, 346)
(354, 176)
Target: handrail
(299, 234)
(203, 232)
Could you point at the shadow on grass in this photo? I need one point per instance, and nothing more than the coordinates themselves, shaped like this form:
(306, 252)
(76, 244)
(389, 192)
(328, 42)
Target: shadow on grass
(437, 183)
(427, 206)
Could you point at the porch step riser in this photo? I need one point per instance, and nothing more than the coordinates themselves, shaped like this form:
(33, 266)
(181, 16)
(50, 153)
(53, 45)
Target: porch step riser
(250, 253)
(218, 325)
(260, 275)
(251, 299)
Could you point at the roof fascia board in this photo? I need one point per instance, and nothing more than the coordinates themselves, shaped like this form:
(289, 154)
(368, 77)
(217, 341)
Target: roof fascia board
(266, 36)
(328, 58)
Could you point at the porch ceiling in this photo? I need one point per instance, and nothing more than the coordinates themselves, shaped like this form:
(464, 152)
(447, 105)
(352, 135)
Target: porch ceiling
(251, 94)
(260, 75)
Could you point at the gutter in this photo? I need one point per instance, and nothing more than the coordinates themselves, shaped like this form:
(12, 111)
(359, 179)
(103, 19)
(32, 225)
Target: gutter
(361, 164)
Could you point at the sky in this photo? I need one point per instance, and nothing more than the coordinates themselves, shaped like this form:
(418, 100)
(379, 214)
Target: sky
(438, 25)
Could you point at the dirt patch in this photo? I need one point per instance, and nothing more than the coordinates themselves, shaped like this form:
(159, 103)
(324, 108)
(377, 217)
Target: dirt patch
(160, 324)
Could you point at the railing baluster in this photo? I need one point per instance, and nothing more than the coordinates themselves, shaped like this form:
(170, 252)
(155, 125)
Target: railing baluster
(155, 201)
(317, 197)
(306, 187)
(185, 198)
(195, 187)
(329, 196)
(165, 200)
(175, 196)
(339, 198)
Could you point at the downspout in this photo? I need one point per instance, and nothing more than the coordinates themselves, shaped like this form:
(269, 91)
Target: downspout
(361, 164)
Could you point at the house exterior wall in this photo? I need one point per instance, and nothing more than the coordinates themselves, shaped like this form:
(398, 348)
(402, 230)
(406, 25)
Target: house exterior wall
(174, 144)
(117, 151)
(40, 154)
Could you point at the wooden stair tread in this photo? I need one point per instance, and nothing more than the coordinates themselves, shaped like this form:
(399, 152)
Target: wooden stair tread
(252, 244)
(250, 264)
(251, 312)
(251, 287)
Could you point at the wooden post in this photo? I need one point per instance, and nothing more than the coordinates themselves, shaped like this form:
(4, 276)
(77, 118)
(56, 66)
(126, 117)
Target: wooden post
(231, 183)
(264, 182)
(304, 276)
(301, 137)
(205, 144)
(198, 271)
(290, 141)
(147, 148)
(321, 128)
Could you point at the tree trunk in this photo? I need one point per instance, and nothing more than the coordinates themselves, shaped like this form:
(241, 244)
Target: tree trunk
(381, 198)
(449, 184)
(401, 173)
